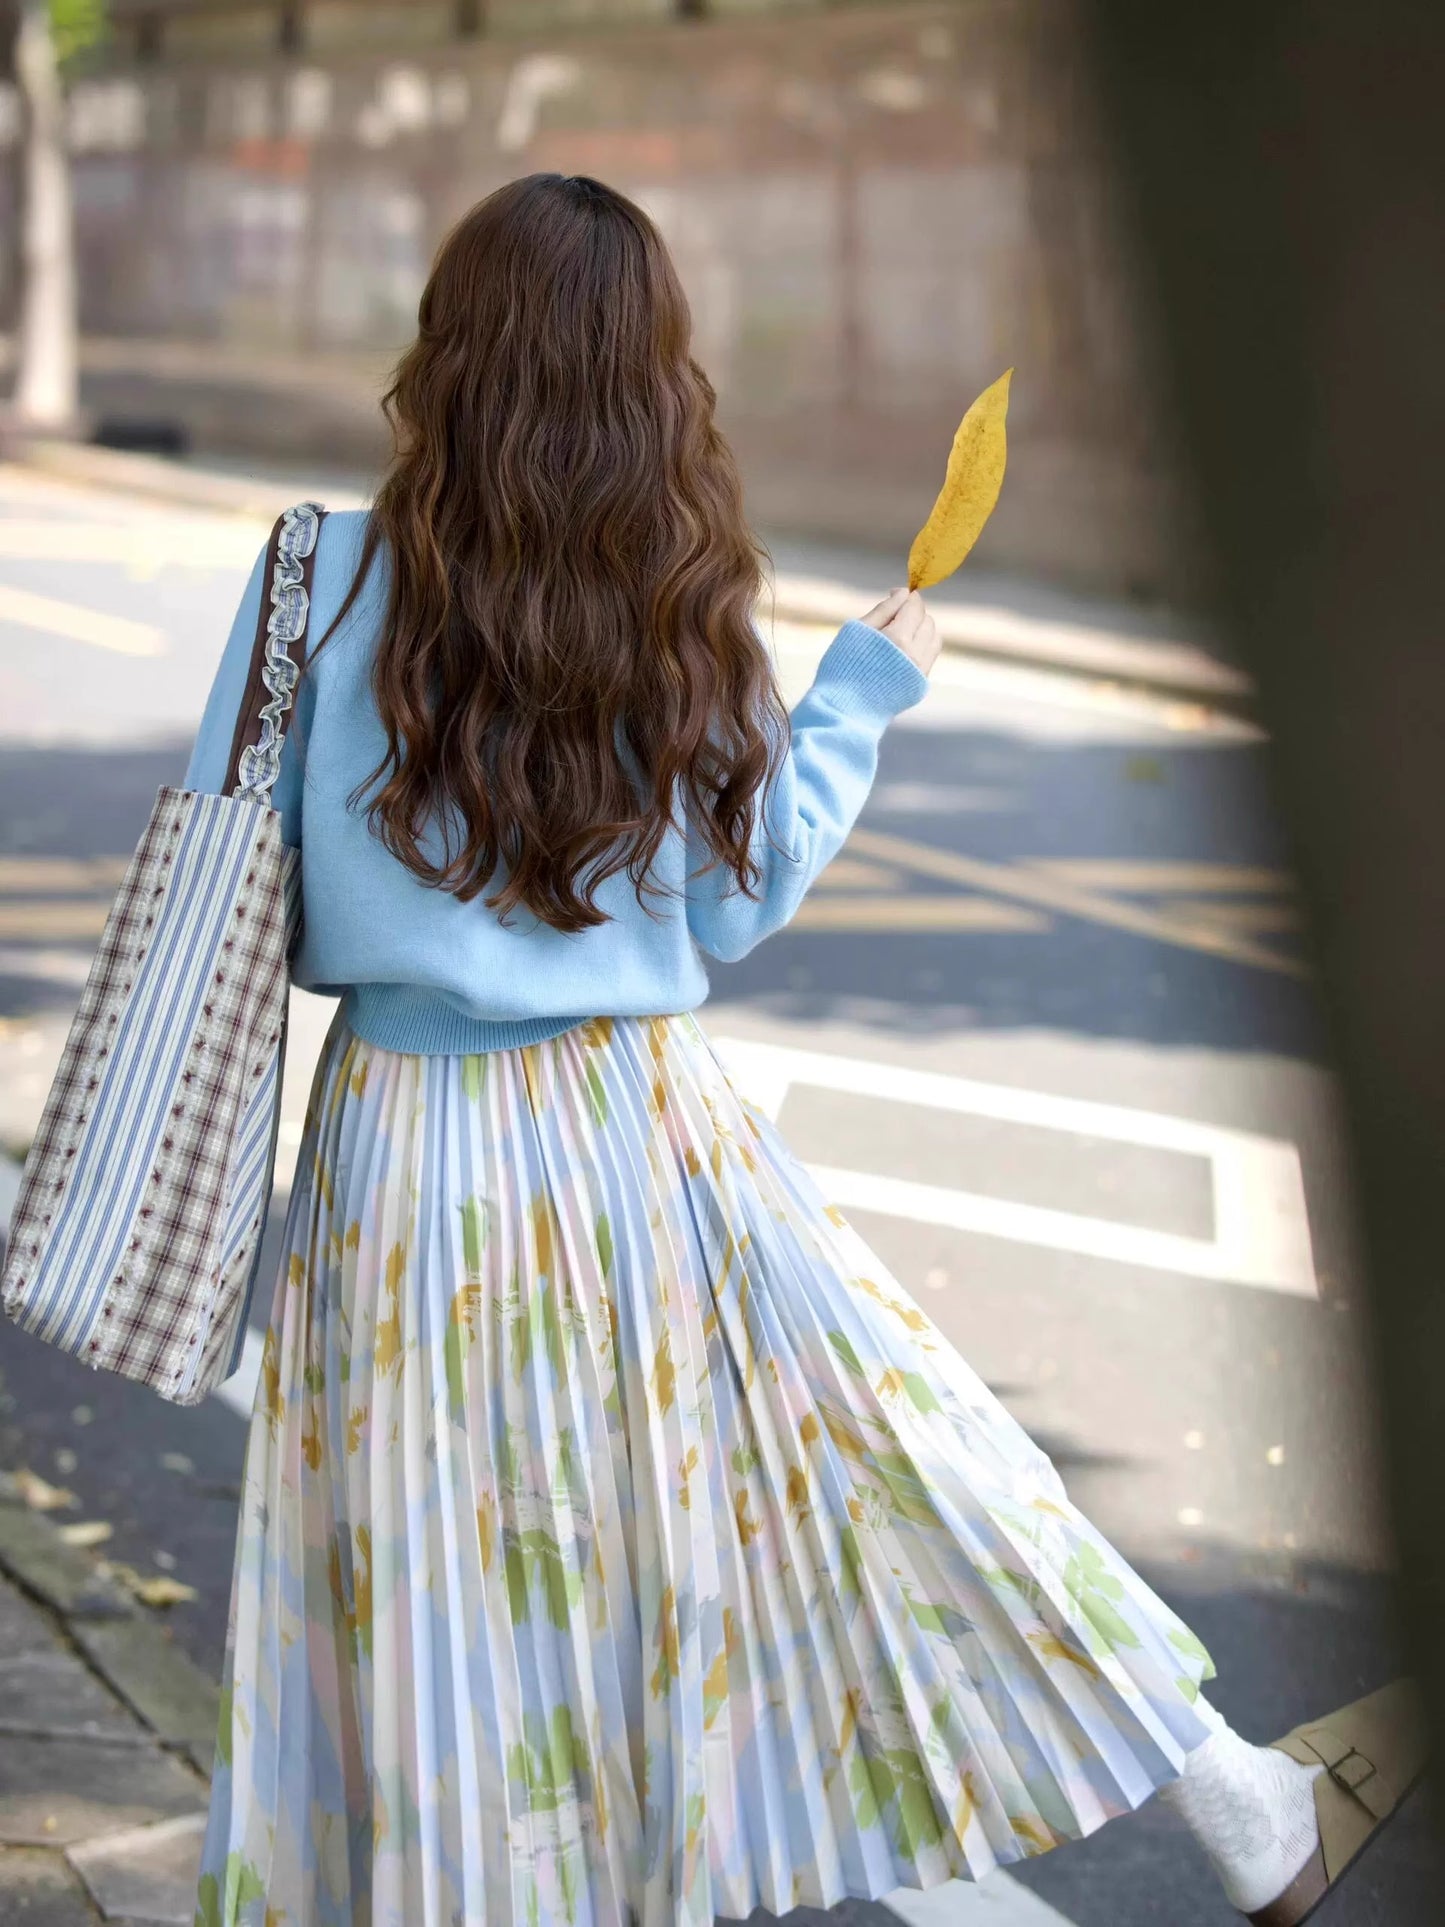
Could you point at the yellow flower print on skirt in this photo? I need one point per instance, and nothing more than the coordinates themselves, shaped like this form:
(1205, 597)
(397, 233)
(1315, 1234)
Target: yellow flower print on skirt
(620, 1543)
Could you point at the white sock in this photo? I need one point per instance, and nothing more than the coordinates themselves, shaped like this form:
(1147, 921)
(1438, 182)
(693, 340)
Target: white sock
(1251, 1808)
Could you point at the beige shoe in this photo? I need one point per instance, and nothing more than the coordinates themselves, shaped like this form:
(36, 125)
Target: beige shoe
(1373, 1753)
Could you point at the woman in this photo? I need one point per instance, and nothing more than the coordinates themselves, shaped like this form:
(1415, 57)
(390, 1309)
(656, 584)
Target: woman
(619, 1542)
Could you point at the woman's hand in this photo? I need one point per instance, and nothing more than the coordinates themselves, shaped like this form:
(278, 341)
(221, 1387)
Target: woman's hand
(902, 617)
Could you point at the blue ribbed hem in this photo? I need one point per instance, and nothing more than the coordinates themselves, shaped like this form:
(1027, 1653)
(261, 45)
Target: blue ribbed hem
(403, 1017)
(868, 676)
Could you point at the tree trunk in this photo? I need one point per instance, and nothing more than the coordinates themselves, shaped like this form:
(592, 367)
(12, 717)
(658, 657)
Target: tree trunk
(47, 386)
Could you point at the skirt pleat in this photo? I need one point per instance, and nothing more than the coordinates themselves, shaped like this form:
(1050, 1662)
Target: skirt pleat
(619, 1541)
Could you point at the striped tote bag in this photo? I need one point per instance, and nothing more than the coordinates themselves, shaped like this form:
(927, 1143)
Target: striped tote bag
(136, 1235)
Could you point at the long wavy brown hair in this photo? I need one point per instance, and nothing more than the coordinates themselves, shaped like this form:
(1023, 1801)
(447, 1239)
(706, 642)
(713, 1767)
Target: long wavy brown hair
(568, 665)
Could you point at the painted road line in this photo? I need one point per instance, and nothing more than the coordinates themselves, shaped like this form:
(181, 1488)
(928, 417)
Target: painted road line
(1045, 891)
(1261, 1222)
(849, 873)
(995, 1902)
(1259, 918)
(1146, 878)
(76, 624)
(53, 919)
(55, 873)
(1050, 1230)
(902, 911)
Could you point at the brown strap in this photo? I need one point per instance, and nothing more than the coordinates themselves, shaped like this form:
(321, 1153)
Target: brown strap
(1352, 1771)
(248, 718)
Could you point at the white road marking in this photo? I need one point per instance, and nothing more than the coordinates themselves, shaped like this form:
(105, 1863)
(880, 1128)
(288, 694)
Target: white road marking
(1261, 1224)
(69, 619)
(995, 1902)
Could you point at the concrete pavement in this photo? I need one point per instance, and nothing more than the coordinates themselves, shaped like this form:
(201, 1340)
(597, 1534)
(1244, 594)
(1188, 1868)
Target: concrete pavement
(106, 1733)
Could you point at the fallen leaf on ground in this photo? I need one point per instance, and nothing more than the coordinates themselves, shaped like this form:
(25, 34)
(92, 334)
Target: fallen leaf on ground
(157, 1589)
(39, 1494)
(86, 1532)
(162, 1590)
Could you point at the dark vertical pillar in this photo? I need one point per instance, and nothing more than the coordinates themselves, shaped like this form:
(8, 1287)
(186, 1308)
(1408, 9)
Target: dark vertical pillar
(1286, 171)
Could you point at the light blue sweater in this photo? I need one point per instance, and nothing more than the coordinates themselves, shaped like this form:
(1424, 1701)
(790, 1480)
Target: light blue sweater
(419, 970)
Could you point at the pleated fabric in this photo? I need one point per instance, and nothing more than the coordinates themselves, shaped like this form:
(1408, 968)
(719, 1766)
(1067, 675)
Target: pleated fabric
(620, 1543)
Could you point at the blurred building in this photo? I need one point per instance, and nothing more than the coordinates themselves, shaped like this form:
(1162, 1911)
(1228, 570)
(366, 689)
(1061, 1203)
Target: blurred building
(876, 208)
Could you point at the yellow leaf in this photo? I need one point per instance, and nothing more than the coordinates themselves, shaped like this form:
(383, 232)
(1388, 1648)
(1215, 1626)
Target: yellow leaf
(163, 1591)
(970, 489)
(156, 1589)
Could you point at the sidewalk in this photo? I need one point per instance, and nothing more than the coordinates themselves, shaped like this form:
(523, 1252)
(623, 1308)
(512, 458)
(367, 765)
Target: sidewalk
(106, 1739)
(817, 584)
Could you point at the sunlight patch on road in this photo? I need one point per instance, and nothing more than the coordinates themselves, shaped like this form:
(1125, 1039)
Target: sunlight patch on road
(994, 1902)
(144, 549)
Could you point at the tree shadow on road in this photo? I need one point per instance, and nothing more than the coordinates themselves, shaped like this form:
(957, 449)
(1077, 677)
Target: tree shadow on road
(1021, 805)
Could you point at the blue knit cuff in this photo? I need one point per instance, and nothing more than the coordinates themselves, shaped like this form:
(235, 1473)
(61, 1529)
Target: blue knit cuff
(868, 676)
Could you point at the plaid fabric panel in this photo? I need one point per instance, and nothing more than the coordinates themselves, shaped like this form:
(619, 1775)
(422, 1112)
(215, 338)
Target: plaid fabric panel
(250, 1194)
(125, 1248)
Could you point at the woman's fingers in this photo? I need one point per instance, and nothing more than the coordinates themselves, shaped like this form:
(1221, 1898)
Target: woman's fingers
(902, 617)
(882, 613)
(914, 631)
(909, 618)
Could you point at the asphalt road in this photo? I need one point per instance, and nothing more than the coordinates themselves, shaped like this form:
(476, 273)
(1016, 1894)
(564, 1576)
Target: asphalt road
(1046, 1029)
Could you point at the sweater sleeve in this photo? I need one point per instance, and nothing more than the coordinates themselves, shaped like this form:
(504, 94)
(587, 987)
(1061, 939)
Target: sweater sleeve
(814, 798)
(211, 751)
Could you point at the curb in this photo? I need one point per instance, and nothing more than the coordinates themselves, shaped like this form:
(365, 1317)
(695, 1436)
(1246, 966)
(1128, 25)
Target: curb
(1171, 670)
(261, 499)
(106, 1743)
(121, 1642)
(1175, 671)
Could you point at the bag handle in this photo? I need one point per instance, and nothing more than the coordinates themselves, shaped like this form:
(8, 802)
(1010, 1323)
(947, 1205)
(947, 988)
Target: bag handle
(278, 654)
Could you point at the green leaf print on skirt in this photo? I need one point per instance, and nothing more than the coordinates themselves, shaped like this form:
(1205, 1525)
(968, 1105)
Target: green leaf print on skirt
(640, 1551)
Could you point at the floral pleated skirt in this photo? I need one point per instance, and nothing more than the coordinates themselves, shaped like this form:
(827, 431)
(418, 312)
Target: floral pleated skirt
(620, 1543)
